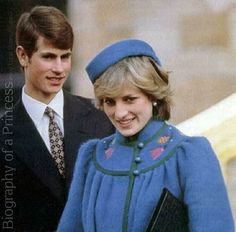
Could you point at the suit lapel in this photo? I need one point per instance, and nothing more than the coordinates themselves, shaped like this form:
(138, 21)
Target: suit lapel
(75, 115)
(31, 149)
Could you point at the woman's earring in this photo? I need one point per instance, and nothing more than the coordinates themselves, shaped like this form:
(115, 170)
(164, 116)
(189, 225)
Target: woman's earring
(154, 103)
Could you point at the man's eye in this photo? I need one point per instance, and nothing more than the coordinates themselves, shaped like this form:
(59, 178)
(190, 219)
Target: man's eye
(47, 56)
(65, 57)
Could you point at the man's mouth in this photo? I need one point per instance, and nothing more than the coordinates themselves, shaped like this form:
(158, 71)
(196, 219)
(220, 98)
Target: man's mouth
(55, 80)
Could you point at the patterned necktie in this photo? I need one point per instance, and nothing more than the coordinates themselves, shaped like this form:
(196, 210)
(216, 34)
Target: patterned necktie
(56, 141)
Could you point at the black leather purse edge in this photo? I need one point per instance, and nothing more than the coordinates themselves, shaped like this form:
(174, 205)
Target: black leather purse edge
(170, 215)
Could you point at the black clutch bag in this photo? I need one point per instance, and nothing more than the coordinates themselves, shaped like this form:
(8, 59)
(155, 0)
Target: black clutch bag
(170, 215)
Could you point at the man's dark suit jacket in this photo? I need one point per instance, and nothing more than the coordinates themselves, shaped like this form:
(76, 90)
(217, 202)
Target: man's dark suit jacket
(33, 193)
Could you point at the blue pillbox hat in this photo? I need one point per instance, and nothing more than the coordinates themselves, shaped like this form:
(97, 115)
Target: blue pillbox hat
(116, 52)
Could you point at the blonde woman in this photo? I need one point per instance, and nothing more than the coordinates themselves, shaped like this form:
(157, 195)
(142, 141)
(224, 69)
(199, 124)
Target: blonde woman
(118, 181)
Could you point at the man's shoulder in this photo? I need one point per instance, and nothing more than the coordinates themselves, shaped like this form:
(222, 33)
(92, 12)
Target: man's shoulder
(10, 114)
(83, 108)
(76, 98)
(84, 100)
(81, 102)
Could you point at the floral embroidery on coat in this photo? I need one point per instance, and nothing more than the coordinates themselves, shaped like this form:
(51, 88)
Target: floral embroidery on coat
(163, 139)
(108, 152)
(155, 153)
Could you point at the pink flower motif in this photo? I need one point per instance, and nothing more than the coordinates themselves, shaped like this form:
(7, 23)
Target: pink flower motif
(108, 152)
(156, 152)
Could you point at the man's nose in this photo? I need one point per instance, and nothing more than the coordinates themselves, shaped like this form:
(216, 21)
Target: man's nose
(58, 66)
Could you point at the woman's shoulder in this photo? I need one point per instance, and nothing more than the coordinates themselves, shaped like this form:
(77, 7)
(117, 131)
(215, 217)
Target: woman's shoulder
(186, 141)
(192, 147)
(197, 146)
(89, 146)
(87, 149)
(196, 152)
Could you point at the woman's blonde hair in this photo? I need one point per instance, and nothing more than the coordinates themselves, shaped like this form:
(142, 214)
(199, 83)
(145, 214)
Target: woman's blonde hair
(141, 72)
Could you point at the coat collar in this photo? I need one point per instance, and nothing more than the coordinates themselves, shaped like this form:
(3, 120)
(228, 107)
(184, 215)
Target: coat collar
(151, 129)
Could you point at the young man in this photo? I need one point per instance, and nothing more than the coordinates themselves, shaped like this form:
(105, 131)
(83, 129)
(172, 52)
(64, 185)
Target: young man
(41, 135)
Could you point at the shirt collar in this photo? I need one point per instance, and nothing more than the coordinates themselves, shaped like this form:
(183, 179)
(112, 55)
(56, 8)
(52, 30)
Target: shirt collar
(36, 108)
(57, 103)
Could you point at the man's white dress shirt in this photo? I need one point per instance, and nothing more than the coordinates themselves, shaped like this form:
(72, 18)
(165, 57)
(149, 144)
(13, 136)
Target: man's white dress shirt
(36, 110)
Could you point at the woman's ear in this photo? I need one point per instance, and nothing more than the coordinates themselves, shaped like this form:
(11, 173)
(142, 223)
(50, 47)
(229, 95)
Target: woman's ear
(22, 56)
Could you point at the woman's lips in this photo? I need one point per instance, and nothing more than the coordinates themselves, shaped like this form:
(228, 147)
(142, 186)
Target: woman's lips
(125, 123)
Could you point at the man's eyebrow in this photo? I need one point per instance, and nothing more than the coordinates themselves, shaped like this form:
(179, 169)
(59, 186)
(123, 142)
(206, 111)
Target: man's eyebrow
(67, 54)
(48, 53)
(54, 54)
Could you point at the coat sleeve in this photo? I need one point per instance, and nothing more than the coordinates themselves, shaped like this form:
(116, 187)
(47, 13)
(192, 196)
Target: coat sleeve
(71, 219)
(204, 189)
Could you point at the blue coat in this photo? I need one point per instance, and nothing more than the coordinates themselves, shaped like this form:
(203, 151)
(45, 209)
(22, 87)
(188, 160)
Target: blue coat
(117, 182)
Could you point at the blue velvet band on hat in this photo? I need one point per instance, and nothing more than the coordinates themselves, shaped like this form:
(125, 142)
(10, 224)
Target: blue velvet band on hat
(116, 52)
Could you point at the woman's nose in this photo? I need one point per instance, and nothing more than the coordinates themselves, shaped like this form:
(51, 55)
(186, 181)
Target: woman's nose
(120, 111)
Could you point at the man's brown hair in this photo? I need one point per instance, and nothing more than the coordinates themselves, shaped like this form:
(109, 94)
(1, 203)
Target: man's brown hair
(48, 22)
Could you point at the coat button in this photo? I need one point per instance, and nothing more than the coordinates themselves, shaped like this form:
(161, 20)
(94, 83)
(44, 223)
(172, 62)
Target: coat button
(136, 172)
(137, 159)
(140, 145)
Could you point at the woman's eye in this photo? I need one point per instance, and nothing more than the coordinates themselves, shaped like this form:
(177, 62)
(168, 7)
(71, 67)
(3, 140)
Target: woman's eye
(130, 99)
(109, 101)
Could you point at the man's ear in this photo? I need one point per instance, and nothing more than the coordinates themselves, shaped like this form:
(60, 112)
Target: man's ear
(22, 56)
